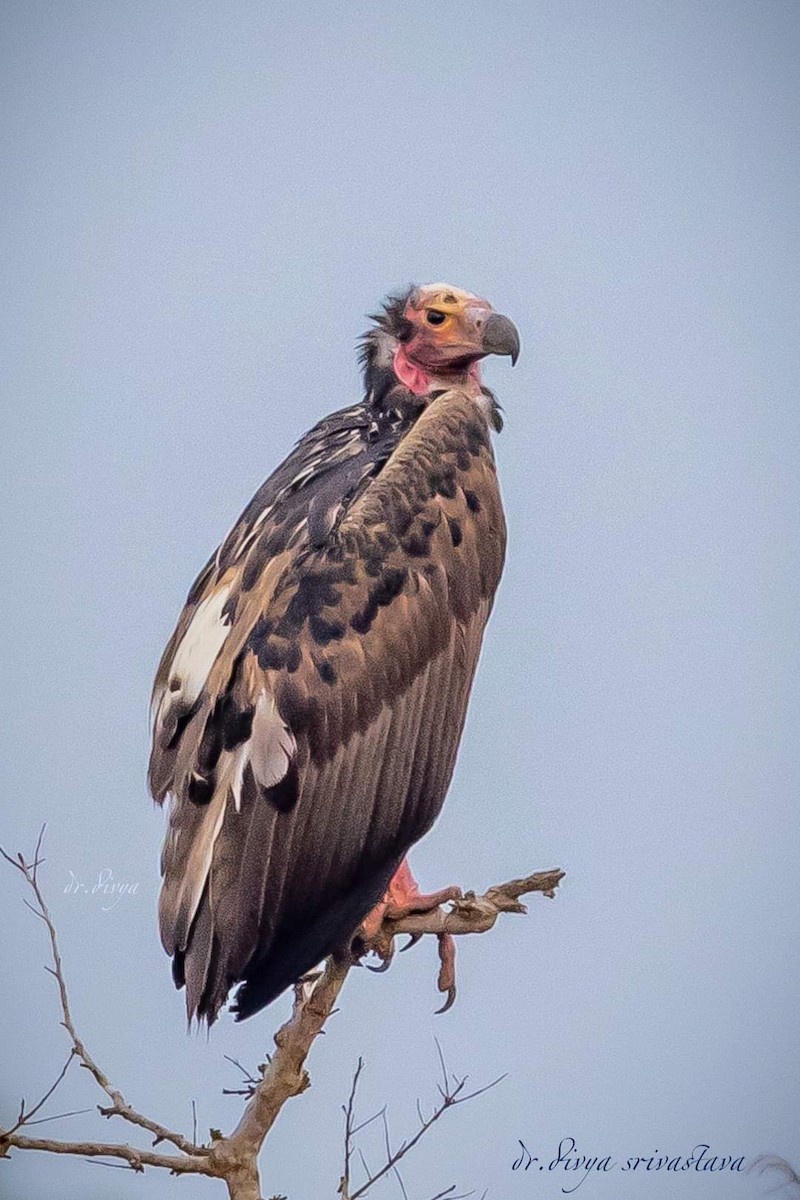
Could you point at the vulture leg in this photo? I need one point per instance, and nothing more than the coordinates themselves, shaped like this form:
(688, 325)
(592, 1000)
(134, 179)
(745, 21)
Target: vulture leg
(402, 898)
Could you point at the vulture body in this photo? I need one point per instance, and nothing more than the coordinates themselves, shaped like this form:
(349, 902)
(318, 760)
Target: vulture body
(308, 708)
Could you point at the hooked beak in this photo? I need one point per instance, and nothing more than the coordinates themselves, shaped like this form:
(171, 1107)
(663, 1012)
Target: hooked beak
(500, 337)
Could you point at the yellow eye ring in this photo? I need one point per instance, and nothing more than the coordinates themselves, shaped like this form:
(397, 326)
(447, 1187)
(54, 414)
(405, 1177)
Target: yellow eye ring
(435, 317)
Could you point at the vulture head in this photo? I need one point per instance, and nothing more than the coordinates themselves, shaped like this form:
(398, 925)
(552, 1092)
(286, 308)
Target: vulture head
(432, 337)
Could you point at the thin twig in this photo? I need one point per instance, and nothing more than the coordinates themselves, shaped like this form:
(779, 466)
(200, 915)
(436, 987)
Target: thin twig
(448, 1192)
(25, 1117)
(246, 1074)
(440, 1055)
(451, 1097)
(348, 1127)
(388, 1145)
(363, 1124)
(119, 1105)
(250, 1081)
(76, 1112)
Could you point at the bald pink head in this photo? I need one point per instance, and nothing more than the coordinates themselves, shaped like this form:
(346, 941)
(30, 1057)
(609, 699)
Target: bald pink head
(451, 331)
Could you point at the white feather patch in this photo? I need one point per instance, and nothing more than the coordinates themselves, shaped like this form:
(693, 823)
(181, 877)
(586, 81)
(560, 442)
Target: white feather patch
(198, 649)
(185, 875)
(485, 404)
(240, 762)
(272, 744)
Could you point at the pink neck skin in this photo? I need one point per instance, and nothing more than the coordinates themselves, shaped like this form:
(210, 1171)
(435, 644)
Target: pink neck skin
(416, 378)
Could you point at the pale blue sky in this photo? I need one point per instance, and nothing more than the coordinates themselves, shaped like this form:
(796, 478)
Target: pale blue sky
(200, 203)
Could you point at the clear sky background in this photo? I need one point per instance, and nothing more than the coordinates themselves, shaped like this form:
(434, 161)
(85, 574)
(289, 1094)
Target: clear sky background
(200, 203)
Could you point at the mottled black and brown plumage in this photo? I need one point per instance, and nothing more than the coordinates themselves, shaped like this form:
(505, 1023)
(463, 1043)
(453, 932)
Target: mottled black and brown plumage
(308, 707)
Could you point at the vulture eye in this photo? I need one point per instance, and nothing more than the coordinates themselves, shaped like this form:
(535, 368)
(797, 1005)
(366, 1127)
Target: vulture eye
(434, 317)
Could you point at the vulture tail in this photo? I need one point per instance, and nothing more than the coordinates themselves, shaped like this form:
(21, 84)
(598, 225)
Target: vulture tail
(297, 951)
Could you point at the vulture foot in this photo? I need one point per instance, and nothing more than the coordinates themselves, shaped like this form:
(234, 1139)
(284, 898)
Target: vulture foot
(401, 899)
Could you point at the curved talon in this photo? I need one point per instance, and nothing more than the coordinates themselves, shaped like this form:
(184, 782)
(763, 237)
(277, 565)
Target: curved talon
(387, 962)
(402, 898)
(449, 1002)
(447, 970)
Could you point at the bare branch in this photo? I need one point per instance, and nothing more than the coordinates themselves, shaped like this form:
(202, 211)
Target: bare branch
(234, 1158)
(285, 1076)
(119, 1105)
(36, 859)
(25, 1118)
(315, 1000)
(348, 1129)
(440, 1054)
(376, 1116)
(248, 1077)
(75, 1112)
(451, 1096)
(137, 1159)
(459, 1196)
(477, 914)
(12, 861)
(388, 1147)
(250, 1081)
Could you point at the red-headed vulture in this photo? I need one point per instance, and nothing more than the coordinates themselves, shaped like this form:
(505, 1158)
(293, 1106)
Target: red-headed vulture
(308, 707)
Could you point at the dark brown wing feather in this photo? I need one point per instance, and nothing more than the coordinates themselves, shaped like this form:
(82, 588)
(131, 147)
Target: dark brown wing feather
(366, 644)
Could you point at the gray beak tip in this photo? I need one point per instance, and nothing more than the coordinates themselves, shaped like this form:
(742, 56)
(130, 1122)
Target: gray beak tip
(500, 336)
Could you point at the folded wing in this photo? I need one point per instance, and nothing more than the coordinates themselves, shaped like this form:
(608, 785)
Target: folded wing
(309, 706)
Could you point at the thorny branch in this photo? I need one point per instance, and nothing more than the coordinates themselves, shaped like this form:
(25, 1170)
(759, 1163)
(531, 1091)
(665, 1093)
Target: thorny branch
(234, 1158)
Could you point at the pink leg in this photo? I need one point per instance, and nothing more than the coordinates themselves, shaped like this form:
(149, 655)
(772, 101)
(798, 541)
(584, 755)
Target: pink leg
(404, 896)
(447, 969)
(401, 898)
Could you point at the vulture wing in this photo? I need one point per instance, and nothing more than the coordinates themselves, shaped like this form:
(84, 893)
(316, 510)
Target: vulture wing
(309, 706)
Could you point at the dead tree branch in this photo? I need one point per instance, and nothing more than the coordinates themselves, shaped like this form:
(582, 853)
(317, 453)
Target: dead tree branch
(234, 1158)
(119, 1106)
(477, 914)
(451, 1091)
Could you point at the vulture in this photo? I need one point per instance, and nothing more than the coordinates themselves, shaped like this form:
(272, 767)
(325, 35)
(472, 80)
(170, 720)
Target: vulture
(307, 710)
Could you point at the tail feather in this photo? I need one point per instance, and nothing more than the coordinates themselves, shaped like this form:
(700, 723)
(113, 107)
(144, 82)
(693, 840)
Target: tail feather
(197, 961)
(221, 913)
(296, 951)
(185, 865)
